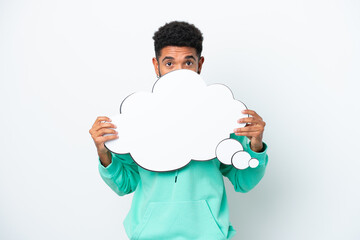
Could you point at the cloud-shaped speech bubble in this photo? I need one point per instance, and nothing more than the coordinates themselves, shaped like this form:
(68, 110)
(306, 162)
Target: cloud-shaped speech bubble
(182, 119)
(230, 151)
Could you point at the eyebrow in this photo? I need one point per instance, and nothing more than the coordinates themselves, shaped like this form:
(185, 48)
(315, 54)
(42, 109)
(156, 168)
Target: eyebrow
(171, 58)
(190, 56)
(167, 57)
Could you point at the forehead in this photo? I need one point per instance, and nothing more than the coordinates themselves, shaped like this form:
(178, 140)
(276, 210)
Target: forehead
(177, 52)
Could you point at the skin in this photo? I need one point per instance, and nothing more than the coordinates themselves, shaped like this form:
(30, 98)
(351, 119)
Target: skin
(173, 58)
(103, 126)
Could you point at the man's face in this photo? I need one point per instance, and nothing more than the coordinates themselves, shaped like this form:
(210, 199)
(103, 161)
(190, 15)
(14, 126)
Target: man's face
(173, 58)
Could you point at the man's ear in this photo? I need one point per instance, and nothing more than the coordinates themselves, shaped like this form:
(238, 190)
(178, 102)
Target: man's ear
(201, 61)
(156, 66)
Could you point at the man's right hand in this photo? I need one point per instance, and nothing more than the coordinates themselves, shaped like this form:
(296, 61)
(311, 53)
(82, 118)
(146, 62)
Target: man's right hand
(101, 127)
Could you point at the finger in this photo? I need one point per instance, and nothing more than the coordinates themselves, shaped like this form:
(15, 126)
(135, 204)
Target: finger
(249, 120)
(104, 125)
(103, 131)
(251, 112)
(109, 137)
(101, 119)
(252, 121)
(248, 129)
(102, 138)
(247, 134)
(98, 134)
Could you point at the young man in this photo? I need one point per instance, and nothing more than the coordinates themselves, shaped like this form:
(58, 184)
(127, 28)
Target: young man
(189, 203)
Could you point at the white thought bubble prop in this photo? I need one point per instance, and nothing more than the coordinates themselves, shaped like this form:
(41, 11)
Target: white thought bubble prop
(182, 119)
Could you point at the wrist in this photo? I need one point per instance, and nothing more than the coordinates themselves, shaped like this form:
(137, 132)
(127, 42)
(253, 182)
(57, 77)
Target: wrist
(105, 157)
(257, 147)
(102, 150)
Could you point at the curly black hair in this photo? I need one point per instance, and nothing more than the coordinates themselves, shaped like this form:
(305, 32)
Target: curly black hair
(180, 34)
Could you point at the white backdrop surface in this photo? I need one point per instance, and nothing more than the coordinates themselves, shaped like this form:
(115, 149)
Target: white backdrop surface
(63, 63)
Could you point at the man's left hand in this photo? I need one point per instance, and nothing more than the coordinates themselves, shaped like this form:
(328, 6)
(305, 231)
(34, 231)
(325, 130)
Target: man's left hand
(253, 129)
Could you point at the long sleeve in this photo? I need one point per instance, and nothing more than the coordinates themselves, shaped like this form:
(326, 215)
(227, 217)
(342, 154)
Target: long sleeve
(247, 179)
(121, 175)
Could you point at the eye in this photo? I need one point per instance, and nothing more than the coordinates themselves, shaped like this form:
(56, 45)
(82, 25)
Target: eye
(168, 64)
(189, 63)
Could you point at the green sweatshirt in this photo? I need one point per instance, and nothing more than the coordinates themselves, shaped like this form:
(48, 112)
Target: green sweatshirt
(189, 203)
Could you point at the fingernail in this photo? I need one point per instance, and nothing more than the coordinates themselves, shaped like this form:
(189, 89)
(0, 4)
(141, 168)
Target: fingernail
(243, 111)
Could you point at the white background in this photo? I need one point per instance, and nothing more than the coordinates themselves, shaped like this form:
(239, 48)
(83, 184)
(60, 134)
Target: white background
(62, 63)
